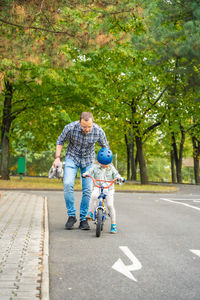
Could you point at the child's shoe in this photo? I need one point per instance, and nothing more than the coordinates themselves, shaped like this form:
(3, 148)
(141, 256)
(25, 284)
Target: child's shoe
(113, 228)
(90, 215)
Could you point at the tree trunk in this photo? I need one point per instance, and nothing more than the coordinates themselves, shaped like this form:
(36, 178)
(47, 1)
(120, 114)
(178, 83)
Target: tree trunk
(5, 128)
(179, 171)
(133, 166)
(172, 167)
(196, 154)
(141, 160)
(136, 164)
(178, 156)
(196, 171)
(128, 156)
(180, 160)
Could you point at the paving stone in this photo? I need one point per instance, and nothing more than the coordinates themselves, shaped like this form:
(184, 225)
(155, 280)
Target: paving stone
(21, 298)
(21, 243)
(5, 284)
(7, 277)
(7, 292)
(35, 294)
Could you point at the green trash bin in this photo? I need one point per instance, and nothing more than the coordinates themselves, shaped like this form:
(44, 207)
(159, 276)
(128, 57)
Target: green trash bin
(21, 165)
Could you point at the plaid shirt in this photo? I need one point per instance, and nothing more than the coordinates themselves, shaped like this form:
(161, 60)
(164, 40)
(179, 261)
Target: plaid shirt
(81, 146)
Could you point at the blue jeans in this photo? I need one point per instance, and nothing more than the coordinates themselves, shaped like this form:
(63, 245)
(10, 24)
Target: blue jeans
(70, 172)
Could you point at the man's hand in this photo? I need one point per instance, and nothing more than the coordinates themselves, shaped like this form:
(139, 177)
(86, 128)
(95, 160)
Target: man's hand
(84, 175)
(56, 162)
(58, 153)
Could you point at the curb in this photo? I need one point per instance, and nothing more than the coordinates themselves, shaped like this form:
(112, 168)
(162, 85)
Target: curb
(45, 259)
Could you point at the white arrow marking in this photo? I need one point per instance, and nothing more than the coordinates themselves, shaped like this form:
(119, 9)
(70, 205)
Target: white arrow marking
(197, 252)
(125, 270)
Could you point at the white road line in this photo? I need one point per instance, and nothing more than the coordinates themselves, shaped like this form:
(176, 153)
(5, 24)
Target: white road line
(197, 252)
(172, 201)
(185, 199)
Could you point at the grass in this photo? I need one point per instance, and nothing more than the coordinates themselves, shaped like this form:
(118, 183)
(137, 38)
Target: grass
(52, 184)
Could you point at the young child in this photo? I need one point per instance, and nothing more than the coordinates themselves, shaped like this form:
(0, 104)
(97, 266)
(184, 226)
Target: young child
(104, 170)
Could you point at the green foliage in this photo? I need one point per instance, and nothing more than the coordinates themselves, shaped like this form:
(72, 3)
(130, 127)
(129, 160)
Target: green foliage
(173, 32)
(135, 65)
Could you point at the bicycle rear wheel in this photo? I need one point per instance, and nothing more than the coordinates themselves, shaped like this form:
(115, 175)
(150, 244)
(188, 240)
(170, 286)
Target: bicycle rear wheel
(99, 222)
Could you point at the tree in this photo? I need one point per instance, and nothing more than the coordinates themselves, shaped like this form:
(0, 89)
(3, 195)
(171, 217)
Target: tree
(172, 30)
(129, 93)
(45, 35)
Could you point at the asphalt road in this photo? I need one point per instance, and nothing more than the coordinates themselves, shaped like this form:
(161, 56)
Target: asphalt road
(150, 258)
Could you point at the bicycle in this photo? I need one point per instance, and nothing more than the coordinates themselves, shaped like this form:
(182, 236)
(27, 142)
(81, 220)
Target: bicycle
(100, 212)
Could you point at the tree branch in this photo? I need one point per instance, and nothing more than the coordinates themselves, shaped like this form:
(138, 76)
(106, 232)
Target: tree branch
(153, 104)
(36, 28)
(150, 128)
(16, 113)
(193, 126)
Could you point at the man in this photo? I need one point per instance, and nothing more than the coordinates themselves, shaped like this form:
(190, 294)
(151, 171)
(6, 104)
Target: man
(82, 136)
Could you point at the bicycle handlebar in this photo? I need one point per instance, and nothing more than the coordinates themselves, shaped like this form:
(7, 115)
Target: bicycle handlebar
(101, 180)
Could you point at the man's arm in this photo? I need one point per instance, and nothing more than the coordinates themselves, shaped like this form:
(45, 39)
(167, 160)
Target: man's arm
(60, 142)
(58, 152)
(102, 140)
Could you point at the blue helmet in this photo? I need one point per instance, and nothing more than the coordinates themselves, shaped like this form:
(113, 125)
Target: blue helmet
(105, 156)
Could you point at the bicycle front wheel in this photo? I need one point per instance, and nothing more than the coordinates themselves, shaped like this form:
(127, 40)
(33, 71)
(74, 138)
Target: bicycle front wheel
(99, 222)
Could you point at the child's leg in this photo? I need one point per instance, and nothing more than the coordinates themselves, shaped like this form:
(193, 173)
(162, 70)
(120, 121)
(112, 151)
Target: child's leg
(93, 200)
(110, 205)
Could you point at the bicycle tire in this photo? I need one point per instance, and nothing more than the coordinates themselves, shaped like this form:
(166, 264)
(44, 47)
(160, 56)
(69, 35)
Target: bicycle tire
(99, 223)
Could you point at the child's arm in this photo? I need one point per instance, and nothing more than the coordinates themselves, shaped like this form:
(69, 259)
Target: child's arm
(116, 174)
